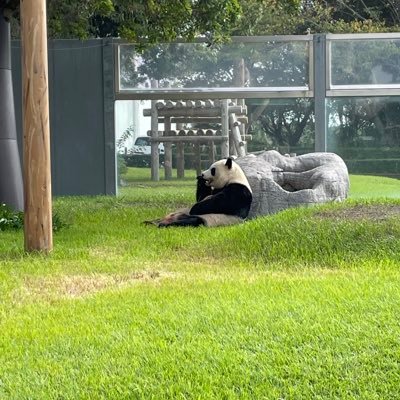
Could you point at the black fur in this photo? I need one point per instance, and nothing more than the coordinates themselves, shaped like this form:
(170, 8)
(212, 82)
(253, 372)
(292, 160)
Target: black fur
(233, 199)
(202, 189)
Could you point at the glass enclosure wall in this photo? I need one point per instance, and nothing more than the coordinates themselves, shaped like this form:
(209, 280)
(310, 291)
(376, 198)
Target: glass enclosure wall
(254, 63)
(355, 79)
(365, 131)
(270, 79)
(364, 62)
(286, 125)
(363, 109)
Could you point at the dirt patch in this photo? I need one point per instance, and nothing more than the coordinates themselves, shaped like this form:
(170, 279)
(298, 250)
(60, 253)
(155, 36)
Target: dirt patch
(76, 286)
(362, 212)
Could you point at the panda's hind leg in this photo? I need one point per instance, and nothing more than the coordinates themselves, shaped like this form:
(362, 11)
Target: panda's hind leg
(181, 219)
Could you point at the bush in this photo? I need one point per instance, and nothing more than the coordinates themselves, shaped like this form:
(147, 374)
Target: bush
(122, 167)
(14, 220)
(10, 219)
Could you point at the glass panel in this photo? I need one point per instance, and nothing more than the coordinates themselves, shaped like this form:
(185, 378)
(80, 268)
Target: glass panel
(365, 62)
(365, 132)
(286, 125)
(194, 65)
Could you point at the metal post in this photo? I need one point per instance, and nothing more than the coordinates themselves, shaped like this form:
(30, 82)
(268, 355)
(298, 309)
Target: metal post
(320, 92)
(109, 116)
(11, 186)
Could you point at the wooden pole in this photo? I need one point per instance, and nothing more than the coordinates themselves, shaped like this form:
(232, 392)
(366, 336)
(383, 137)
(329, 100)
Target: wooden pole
(167, 151)
(36, 128)
(239, 145)
(155, 155)
(225, 128)
(180, 156)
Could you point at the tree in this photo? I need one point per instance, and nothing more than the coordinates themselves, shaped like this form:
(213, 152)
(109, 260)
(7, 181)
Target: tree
(141, 21)
(271, 17)
(144, 21)
(385, 13)
(287, 124)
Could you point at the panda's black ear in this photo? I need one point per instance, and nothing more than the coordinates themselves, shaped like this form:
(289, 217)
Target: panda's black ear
(229, 163)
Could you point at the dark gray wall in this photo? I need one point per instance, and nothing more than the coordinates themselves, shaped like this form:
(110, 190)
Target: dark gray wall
(81, 91)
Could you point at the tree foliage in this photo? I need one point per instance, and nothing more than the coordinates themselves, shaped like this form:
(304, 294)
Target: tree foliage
(142, 21)
(270, 17)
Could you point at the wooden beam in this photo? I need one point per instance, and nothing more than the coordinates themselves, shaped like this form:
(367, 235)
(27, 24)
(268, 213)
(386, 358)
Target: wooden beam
(201, 120)
(196, 112)
(189, 139)
(36, 128)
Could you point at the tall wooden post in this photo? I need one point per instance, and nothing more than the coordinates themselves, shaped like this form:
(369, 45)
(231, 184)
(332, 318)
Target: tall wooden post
(155, 155)
(225, 129)
(180, 156)
(36, 128)
(167, 151)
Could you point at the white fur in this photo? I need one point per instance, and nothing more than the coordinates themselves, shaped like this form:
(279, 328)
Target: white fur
(224, 175)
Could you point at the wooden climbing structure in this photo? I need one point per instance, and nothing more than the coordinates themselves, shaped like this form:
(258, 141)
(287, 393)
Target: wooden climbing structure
(227, 121)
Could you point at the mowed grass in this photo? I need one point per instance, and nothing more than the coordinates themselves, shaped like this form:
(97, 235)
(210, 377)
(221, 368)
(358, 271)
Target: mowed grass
(300, 305)
(364, 186)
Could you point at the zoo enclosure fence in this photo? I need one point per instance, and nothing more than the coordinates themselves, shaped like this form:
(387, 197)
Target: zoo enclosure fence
(350, 84)
(344, 78)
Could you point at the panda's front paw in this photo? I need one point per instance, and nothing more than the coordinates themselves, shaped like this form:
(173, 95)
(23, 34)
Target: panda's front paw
(203, 190)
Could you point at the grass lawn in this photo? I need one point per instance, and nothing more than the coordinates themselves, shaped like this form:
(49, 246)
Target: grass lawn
(300, 305)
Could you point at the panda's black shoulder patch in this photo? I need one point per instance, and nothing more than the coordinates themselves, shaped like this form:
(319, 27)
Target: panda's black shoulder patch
(233, 199)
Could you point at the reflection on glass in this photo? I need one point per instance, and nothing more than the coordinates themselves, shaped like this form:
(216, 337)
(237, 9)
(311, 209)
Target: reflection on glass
(194, 65)
(366, 133)
(286, 125)
(365, 62)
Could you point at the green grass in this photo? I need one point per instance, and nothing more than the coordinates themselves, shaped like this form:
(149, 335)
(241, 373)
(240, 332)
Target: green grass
(363, 186)
(299, 305)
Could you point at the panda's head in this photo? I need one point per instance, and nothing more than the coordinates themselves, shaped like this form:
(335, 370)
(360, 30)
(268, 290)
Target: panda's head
(224, 172)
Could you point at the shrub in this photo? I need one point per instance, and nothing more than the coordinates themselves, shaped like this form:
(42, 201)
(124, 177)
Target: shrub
(10, 219)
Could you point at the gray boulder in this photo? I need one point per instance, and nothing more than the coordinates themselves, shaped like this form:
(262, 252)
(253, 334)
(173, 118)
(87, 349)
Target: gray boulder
(279, 182)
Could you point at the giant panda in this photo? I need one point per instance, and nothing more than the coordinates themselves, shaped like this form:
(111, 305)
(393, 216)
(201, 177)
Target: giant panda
(223, 195)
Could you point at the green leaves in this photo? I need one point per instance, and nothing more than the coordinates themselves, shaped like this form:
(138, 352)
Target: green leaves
(145, 22)
(14, 220)
(10, 219)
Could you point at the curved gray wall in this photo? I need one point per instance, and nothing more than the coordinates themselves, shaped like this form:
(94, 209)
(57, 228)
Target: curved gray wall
(11, 187)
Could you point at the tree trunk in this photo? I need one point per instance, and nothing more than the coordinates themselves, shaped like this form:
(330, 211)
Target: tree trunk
(37, 168)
